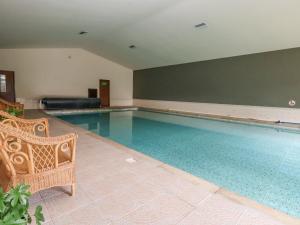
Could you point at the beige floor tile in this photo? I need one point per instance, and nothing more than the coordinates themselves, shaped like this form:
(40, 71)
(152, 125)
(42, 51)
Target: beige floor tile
(195, 218)
(88, 215)
(144, 191)
(163, 210)
(142, 166)
(93, 174)
(112, 162)
(102, 158)
(216, 210)
(58, 128)
(55, 191)
(121, 181)
(89, 145)
(253, 217)
(104, 169)
(36, 197)
(193, 194)
(183, 188)
(64, 204)
(48, 223)
(87, 140)
(119, 204)
(140, 157)
(105, 157)
(161, 177)
(193, 179)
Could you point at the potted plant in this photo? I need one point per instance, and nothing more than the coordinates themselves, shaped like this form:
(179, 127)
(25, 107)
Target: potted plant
(14, 206)
(14, 112)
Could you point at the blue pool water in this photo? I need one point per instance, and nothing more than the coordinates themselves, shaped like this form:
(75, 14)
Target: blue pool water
(261, 163)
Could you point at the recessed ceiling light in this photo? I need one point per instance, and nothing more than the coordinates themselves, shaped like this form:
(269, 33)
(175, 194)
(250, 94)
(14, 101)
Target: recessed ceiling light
(82, 32)
(200, 25)
(132, 46)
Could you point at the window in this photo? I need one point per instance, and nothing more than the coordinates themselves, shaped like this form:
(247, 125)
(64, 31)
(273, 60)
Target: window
(2, 83)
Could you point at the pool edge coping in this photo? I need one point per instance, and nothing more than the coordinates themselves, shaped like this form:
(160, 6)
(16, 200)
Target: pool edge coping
(239, 120)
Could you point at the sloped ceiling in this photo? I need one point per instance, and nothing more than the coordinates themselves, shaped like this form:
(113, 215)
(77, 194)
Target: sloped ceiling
(162, 30)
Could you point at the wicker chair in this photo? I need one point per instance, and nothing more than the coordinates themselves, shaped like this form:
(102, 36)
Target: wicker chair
(39, 127)
(41, 162)
(5, 105)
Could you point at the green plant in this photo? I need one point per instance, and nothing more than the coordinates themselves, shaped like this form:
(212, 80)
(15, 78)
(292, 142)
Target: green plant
(14, 206)
(14, 111)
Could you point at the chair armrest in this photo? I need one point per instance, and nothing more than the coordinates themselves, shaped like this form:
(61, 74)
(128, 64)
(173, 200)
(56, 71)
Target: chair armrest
(41, 153)
(28, 125)
(16, 105)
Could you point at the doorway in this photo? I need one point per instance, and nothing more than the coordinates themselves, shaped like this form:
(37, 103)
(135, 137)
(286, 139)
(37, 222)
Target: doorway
(7, 85)
(104, 87)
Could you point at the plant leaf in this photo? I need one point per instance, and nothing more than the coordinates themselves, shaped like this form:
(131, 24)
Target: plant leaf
(14, 207)
(39, 217)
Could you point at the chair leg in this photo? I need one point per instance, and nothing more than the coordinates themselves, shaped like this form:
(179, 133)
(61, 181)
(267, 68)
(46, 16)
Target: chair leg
(73, 189)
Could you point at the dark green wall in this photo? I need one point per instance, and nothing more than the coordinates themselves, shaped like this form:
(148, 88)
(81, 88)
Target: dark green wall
(264, 79)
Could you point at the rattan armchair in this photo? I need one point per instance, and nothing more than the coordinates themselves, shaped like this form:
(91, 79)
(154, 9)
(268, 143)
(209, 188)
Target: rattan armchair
(39, 127)
(5, 105)
(41, 162)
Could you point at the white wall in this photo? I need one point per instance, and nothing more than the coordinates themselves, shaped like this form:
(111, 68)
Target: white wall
(239, 111)
(64, 72)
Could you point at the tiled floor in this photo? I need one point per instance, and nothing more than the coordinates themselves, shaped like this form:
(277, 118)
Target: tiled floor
(113, 191)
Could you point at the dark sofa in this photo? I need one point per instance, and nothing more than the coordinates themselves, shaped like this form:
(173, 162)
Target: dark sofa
(71, 103)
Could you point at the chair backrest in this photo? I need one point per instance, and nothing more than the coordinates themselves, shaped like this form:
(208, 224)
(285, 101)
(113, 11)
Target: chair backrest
(24, 153)
(4, 105)
(38, 127)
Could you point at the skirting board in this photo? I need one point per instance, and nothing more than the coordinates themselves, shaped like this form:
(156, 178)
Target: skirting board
(290, 115)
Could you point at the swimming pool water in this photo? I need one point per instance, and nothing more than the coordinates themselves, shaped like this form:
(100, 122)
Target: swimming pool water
(259, 162)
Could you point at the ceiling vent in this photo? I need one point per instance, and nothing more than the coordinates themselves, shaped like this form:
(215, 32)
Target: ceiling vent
(200, 25)
(82, 32)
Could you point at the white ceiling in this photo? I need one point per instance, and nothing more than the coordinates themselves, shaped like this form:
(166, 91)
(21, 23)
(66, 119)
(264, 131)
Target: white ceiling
(162, 30)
